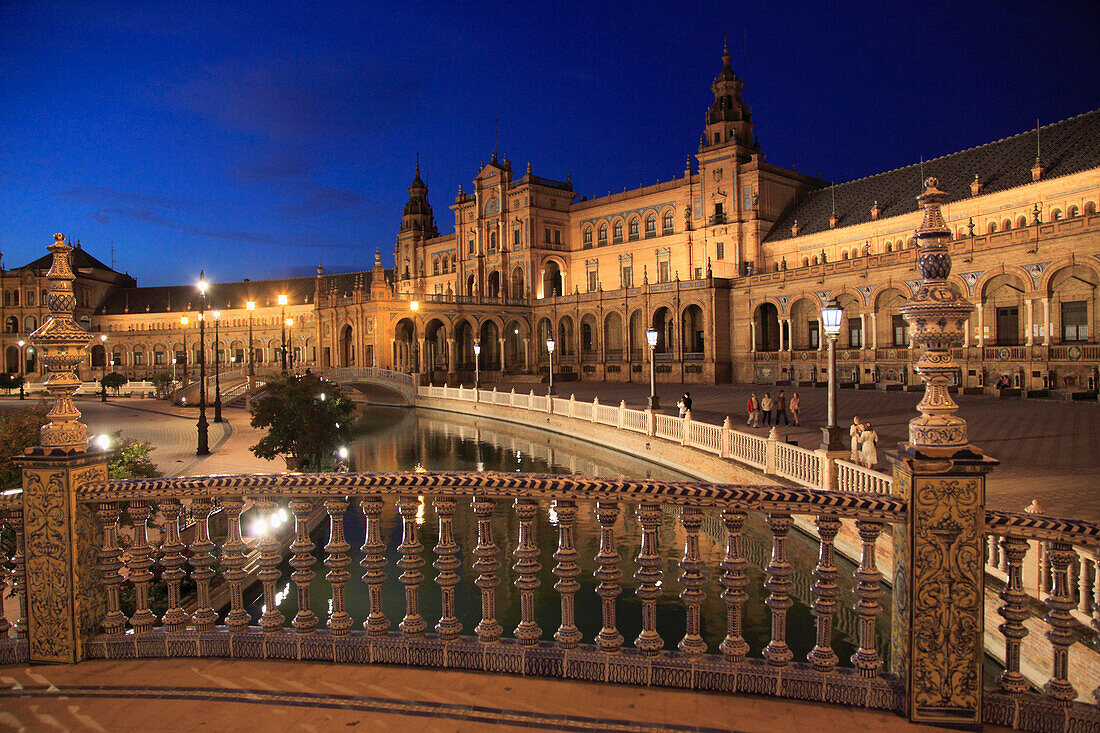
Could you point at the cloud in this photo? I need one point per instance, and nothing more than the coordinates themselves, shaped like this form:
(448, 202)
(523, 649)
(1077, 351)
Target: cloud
(106, 196)
(319, 199)
(273, 165)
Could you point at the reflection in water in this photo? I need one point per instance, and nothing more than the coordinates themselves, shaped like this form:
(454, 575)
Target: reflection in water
(402, 439)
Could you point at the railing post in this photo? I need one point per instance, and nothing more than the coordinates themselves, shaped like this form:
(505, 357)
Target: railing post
(622, 414)
(65, 600)
(771, 451)
(572, 405)
(724, 440)
(595, 408)
(685, 429)
(828, 470)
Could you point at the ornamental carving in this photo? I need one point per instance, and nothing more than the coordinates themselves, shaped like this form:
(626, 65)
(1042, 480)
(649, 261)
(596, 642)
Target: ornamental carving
(48, 580)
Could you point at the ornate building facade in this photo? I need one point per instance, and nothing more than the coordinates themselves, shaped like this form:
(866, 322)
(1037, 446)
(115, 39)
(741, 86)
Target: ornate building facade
(730, 263)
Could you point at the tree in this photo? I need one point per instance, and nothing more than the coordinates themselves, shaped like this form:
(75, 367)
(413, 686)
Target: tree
(306, 417)
(161, 381)
(19, 430)
(131, 459)
(114, 380)
(10, 381)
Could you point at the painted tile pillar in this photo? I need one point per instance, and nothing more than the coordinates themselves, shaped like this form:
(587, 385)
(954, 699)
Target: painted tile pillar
(64, 600)
(937, 643)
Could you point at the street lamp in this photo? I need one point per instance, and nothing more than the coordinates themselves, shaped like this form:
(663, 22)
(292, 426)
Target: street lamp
(831, 316)
(103, 372)
(203, 447)
(282, 302)
(550, 344)
(290, 339)
(217, 373)
(477, 364)
(22, 368)
(250, 306)
(173, 369)
(651, 339)
(183, 324)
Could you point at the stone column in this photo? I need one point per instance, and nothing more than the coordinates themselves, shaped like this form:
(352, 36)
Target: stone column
(1046, 322)
(527, 355)
(981, 325)
(752, 336)
(501, 340)
(781, 330)
(862, 330)
(874, 330)
(1028, 334)
(65, 601)
(937, 642)
(451, 363)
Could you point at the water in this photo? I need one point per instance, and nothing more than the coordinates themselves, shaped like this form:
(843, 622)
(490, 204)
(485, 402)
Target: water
(402, 439)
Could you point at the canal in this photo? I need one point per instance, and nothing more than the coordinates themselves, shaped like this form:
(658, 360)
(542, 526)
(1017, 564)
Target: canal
(398, 439)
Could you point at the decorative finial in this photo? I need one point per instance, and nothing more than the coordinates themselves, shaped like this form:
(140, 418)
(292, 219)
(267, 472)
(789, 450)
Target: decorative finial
(725, 49)
(528, 167)
(937, 315)
(61, 341)
(418, 164)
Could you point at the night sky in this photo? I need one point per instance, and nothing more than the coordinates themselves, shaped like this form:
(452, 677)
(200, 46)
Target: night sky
(257, 139)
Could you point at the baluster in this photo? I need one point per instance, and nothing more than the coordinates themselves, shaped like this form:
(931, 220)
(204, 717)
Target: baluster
(866, 658)
(339, 621)
(648, 575)
(141, 559)
(691, 578)
(374, 562)
(1074, 584)
(779, 585)
(1014, 612)
(271, 619)
(233, 555)
(19, 574)
(302, 560)
(173, 561)
(486, 566)
(608, 573)
(202, 566)
(1059, 603)
(1045, 572)
(990, 544)
(109, 564)
(734, 581)
(1088, 581)
(410, 564)
(567, 570)
(447, 562)
(825, 591)
(526, 568)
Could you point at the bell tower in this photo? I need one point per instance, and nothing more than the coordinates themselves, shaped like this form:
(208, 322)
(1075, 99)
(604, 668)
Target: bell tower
(729, 120)
(417, 226)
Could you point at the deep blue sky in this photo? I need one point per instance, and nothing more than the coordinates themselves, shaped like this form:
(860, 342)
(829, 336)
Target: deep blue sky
(257, 139)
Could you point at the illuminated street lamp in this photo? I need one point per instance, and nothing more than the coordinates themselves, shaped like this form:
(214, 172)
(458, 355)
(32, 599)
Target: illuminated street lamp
(183, 323)
(477, 364)
(173, 369)
(217, 373)
(290, 324)
(22, 368)
(831, 316)
(282, 302)
(550, 344)
(651, 339)
(203, 447)
(250, 306)
(103, 372)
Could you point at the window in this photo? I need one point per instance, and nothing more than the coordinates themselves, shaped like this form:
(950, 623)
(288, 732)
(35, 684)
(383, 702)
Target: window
(855, 333)
(15, 294)
(633, 228)
(588, 236)
(603, 234)
(180, 357)
(617, 231)
(471, 247)
(814, 333)
(698, 273)
(720, 251)
(651, 225)
(139, 358)
(30, 323)
(439, 289)
(1090, 208)
(546, 234)
(1073, 212)
(627, 276)
(668, 222)
(901, 331)
(516, 237)
(435, 266)
(1075, 324)
(663, 271)
(592, 280)
(238, 356)
(492, 241)
(717, 138)
(557, 236)
(1055, 215)
(30, 297)
(748, 198)
(1008, 326)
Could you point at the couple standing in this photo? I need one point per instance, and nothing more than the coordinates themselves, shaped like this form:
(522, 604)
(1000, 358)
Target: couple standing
(864, 442)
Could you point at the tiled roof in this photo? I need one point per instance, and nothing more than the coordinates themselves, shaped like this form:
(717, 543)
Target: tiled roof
(1069, 146)
(79, 259)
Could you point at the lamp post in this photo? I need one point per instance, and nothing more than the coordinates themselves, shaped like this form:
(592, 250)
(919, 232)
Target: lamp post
(22, 368)
(103, 371)
(477, 364)
(250, 306)
(831, 315)
(173, 369)
(203, 448)
(651, 339)
(282, 302)
(217, 372)
(183, 325)
(290, 339)
(550, 344)
(414, 306)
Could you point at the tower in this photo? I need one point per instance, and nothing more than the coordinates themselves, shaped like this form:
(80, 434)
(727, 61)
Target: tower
(417, 225)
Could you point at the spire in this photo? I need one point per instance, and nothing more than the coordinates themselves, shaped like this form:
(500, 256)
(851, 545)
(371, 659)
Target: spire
(725, 49)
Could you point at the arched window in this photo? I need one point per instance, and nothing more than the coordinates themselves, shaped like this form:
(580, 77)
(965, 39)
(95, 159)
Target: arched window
(1073, 212)
(634, 227)
(651, 225)
(588, 235)
(1055, 215)
(30, 323)
(1006, 225)
(992, 229)
(470, 249)
(815, 259)
(1090, 208)
(435, 265)
(603, 233)
(1021, 222)
(845, 254)
(806, 261)
(30, 296)
(889, 246)
(618, 231)
(668, 222)
(492, 241)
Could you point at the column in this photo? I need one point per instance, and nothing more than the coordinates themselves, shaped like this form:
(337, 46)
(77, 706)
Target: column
(451, 356)
(424, 364)
(1046, 322)
(527, 355)
(1029, 339)
(862, 330)
(981, 325)
(781, 330)
(501, 340)
(874, 330)
(752, 336)
(966, 334)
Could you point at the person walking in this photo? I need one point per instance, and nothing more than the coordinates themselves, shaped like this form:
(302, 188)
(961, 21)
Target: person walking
(766, 407)
(686, 399)
(753, 410)
(868, 452)
(854, 431)
(781, 408)
(795, 408)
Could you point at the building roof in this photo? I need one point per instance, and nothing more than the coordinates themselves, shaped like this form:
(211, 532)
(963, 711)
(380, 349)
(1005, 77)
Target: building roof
(1069, 146)
(79, 260)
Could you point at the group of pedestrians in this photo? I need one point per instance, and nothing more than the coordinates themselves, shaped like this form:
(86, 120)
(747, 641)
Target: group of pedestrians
(768, 411)
(864, 442)
(684, 404)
